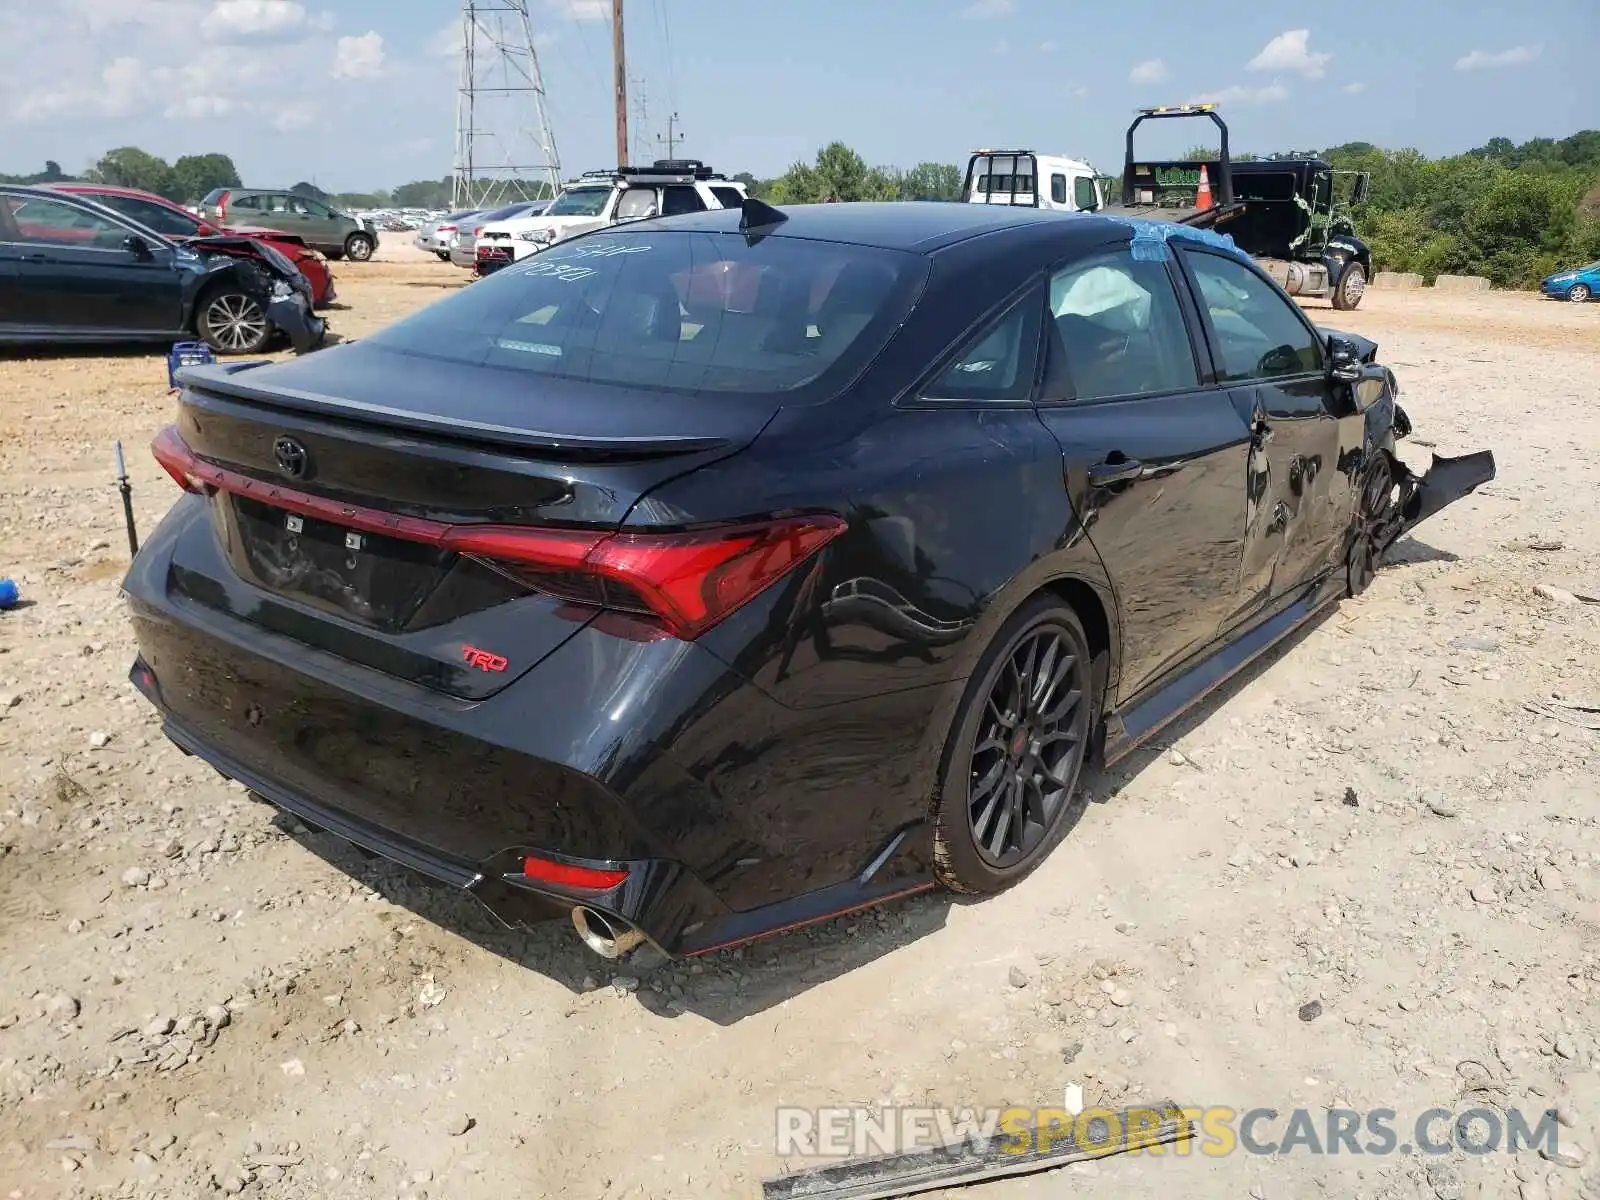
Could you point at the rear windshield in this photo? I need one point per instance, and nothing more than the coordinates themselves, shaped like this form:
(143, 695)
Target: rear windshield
(213, 196)
(675, 310)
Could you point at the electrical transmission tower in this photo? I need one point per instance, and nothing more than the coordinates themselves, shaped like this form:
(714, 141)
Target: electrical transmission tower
(505, 148)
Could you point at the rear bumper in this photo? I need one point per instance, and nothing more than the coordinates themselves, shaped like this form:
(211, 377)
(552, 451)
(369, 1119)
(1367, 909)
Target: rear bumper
(652, 757)
(659, 898)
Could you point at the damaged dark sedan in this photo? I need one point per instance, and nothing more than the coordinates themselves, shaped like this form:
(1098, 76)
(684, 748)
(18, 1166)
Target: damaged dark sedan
(703, 578)
(72, 270)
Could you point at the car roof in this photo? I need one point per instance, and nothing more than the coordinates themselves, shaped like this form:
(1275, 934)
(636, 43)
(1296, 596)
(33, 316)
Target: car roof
(87, 202)
(80, 188)
(919, 226)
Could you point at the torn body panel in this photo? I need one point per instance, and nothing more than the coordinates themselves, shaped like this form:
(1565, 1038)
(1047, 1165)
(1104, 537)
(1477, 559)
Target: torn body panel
(1444, 482)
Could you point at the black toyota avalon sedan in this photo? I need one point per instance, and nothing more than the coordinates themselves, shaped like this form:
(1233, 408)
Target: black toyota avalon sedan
(698, 579)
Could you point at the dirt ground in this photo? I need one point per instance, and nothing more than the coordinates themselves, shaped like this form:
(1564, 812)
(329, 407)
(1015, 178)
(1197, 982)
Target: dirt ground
(1389, 820)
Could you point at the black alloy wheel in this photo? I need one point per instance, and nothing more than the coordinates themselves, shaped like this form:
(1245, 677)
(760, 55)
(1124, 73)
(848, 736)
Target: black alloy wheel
(1380, 497)
(1012, 770)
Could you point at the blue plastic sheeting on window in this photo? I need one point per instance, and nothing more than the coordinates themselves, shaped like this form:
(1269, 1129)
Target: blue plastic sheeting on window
(1150, 239)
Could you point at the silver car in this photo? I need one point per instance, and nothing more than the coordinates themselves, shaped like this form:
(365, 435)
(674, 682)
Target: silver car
(436, 236)
(464, 245)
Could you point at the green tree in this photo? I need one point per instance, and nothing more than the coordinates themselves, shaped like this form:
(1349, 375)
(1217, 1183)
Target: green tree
(839, 173)
(196, 174)
(932, 181)
(131, 167)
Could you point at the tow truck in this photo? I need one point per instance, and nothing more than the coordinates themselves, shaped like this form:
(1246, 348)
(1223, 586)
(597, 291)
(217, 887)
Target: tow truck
(1014, 177)
(1291, 214)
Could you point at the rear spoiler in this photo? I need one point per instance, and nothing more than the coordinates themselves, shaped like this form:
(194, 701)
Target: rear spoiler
(222, 380)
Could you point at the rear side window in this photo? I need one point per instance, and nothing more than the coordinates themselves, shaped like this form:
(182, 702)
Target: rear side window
(1058, 189)
(152, 215)
(728, 197)
(697, 312)
(679, 198)
(997, 364)
(1118, 329)
(253, 203)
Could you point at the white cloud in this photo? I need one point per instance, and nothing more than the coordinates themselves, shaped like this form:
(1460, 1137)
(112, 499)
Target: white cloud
(1047, 47)
(199, 108)
(359, 57)
(121, 89)
(291, 118)
(1271, 94)
(583, 10)
(1291, 51)
(1152, 70)
(1080, 90)
(255, 21)
(987, 10)
(1000, 47)
(1355, 87)
(170, 17)
(1516, 56)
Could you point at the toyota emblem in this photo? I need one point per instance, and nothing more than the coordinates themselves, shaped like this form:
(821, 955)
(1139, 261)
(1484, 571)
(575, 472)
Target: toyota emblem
(291, 456)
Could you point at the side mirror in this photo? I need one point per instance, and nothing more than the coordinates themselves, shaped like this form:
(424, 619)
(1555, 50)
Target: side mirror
(138, 247)
(1344, 362)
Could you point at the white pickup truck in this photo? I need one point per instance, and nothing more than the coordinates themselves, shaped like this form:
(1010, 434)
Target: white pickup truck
(598, 198)
(1036, 180)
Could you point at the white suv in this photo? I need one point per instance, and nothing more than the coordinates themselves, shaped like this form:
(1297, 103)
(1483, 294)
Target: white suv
(600, 198)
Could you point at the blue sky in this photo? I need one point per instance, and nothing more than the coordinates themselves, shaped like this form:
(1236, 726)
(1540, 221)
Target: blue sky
(358, 94)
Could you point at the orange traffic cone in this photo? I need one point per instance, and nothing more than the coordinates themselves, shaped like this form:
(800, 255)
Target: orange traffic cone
(1202, 198)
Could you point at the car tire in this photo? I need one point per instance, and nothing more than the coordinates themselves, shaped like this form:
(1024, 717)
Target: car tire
(1016, 751)
(1351, 287)
(233, 321)
(359, 246)
(444, 255)
(1580, 293)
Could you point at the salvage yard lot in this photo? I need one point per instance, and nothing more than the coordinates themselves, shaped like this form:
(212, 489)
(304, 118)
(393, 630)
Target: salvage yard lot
(195, 995)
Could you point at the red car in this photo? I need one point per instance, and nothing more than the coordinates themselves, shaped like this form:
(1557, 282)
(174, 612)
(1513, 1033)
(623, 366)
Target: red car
(173, 220)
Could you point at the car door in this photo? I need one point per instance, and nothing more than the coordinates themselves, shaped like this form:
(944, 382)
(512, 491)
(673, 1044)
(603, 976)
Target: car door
(1264, 347)
(1154, 453)
(323, 228)
(79, 275)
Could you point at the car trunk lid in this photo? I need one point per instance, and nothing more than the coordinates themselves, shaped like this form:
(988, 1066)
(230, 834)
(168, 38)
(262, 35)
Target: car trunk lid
(339, 487)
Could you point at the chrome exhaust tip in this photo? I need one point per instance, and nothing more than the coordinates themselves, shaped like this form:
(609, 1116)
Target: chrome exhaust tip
(608, 937)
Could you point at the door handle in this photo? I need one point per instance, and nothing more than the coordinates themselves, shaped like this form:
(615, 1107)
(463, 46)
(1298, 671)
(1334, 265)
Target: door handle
(1104, 474)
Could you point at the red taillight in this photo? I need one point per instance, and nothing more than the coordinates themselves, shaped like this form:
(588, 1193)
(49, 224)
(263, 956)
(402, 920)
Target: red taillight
(597, 879)
(173, 453)
(687, 581)
(222, 203)
(445, 229)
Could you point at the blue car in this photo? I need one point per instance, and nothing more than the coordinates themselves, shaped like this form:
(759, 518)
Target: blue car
(1576, 285)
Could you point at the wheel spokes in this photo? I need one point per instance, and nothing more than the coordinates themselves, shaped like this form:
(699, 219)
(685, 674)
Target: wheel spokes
(1029, 749)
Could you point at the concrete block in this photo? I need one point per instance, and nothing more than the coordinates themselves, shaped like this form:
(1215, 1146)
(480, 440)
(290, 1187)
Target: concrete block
(1461, 283)
(1397, 280)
